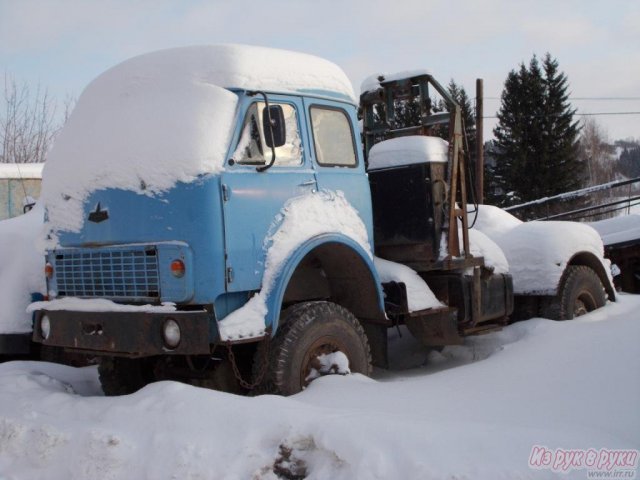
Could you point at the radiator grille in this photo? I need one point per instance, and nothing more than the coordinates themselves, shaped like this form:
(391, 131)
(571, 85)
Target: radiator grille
(130, 274)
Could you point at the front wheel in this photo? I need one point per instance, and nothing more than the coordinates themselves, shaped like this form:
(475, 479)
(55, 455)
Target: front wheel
(580, 292)
(314, 339)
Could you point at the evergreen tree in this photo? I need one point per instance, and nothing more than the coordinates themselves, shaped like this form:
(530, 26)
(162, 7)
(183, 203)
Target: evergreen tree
(536, 148)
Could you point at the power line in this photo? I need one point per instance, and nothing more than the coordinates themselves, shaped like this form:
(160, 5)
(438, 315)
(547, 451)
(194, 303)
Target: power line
(605, 113)
(595, 114)
(606, 99)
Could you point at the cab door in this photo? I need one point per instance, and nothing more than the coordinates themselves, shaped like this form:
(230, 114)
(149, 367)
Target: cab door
(252, 199)
(336, 152)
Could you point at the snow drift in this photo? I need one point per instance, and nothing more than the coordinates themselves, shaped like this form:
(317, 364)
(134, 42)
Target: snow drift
(471, 411)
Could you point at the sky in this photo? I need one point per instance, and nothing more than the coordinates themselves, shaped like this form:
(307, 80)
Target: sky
(63, 44)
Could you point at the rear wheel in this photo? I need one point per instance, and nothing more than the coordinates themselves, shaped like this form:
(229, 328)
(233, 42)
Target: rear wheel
(314, 339)
(581, 292)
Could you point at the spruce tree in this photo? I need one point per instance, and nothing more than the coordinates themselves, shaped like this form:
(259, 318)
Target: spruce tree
(562, 132)
(536, 147)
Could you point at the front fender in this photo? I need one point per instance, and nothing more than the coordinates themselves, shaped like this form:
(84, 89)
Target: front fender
(276, 295)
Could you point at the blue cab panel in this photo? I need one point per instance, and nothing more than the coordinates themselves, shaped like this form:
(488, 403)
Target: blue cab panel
(183, 223)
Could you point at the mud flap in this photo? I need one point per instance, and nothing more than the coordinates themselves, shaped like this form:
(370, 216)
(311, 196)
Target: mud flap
(435, 327)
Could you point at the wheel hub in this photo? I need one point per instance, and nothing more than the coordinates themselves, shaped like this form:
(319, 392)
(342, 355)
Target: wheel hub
(579, 308)
(312, 367)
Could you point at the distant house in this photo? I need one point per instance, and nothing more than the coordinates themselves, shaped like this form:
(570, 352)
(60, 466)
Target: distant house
(19, 187)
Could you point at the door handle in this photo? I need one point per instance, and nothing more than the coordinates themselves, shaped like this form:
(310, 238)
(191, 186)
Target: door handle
(307, 183)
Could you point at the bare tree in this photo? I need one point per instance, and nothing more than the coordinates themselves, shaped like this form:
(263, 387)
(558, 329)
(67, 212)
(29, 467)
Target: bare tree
(28, 123)
(597, 153)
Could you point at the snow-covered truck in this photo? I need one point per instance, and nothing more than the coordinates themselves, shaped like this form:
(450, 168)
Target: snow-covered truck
(213, 217)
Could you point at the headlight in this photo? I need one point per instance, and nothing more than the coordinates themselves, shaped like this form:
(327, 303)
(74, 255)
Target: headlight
(45, 327)
(171, 333)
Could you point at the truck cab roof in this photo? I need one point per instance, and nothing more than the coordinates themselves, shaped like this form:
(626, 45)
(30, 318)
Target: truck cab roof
(167, 117)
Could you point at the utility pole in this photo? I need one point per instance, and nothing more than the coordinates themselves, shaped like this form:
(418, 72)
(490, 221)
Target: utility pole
(479, 142)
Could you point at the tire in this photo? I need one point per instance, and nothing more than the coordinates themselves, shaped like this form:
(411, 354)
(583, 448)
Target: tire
(122, 376)
(581, 291)
(308, 330)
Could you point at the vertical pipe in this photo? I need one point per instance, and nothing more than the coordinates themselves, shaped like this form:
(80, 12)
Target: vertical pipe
(479, 141)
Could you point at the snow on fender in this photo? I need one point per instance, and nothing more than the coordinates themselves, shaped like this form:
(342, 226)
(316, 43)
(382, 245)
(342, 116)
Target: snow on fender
(301, 219)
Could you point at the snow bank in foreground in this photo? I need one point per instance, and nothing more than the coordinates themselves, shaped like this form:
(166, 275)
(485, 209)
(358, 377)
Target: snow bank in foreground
(474, 411)
(419, 295)
(537, 252)
(22, 271)
(301, 219)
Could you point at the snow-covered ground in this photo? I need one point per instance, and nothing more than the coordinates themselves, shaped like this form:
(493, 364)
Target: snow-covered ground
(470, 412)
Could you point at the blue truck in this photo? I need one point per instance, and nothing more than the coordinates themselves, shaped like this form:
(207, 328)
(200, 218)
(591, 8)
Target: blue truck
(262, 270)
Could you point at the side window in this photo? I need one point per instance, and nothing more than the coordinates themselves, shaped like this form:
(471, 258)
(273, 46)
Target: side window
(253, 150)
(333, 137)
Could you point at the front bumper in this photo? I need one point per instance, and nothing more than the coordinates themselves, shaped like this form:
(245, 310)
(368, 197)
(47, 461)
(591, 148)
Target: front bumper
(132, 334)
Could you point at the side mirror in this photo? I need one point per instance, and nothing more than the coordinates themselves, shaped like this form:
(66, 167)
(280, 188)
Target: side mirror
(273, 126)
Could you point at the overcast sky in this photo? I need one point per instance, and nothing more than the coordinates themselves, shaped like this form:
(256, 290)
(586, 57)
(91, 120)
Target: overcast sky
(64, 44)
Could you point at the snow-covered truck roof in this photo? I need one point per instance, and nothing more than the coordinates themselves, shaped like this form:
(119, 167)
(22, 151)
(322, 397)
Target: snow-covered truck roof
(168, 116)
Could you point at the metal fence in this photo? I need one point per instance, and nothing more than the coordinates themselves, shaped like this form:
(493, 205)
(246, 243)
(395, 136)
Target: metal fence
(599, 201)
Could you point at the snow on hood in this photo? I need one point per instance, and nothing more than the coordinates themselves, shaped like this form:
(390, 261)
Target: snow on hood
(165, 117)
(492, 221)
(537, 252)
(409, 150)
(22, 270)
(301, 219)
